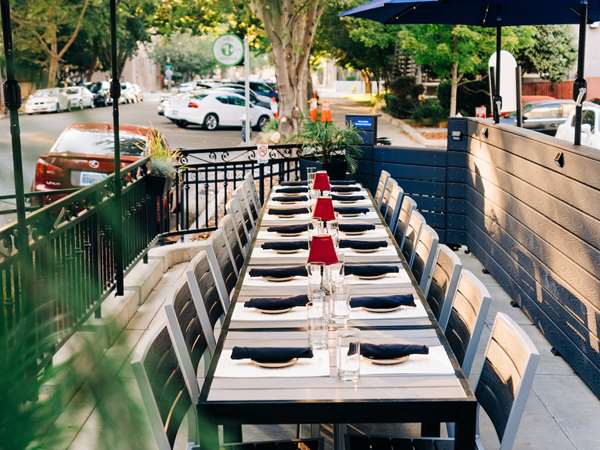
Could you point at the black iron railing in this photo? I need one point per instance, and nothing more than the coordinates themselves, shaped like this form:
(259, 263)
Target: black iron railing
(68, 267)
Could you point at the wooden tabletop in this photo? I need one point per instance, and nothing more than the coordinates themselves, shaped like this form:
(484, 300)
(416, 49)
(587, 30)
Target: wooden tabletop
(326, 399)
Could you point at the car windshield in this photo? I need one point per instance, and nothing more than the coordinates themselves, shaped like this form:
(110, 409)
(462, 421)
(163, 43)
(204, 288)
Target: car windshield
(98, 143)
(199, 96)
(45, 93)
(72, 91)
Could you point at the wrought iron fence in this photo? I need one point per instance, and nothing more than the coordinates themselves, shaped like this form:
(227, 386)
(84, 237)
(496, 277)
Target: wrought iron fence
(68, 267)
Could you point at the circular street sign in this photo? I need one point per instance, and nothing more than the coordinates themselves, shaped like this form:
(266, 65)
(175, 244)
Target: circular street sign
(229, 50)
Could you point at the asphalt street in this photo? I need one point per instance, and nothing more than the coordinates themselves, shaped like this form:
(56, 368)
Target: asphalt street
(38, 133)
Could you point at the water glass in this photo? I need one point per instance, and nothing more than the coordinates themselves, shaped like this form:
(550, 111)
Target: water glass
(315, 278)
(334, 230)
(339, 310)
(348, 354)
(310, 175)
(338, 270)
(317, 322)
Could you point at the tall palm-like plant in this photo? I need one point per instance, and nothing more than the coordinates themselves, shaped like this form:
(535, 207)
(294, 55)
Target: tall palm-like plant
(326, 141)
(29, 411)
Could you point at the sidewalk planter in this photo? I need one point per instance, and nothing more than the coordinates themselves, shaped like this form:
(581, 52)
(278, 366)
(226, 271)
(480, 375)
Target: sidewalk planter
(158, 185)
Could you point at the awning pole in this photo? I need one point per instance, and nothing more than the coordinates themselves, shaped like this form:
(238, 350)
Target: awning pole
(497, 97)
(580, 85)
(12, 100)
(116, 93)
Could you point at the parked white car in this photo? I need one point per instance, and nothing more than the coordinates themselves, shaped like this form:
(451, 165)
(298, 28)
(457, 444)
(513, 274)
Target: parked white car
(47, 100)
(213, 109)
(79, 97)
(128, 93)
(590, 128)
(138, 92)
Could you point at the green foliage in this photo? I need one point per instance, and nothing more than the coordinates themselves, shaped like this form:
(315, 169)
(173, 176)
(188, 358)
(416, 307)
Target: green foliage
(326, 140)
(195, 16)
(429, 112)
(403, 97)
(163, 158)
(190, 55)
(552, 53)
(29, 412)
(363, 45)
(471, 94)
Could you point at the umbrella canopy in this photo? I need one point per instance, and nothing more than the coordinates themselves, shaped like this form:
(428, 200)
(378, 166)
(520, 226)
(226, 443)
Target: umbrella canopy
(476, 12)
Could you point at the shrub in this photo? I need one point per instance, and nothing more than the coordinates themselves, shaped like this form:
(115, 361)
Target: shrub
(429, 112)
(404, 97)
(470, 96)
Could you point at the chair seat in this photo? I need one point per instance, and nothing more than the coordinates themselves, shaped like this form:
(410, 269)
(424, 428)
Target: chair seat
(296, 444)
(355, 442)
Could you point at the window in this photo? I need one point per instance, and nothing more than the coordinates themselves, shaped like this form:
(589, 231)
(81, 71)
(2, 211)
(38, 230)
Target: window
(237, 101)
(551, 111)
(223, 99)
(261, 89)
(99, 143)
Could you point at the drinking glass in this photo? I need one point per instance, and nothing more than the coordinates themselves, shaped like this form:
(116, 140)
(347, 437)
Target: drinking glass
(339, 309)
(315, 278)
(338, 271)
(333, 229)
(317, 322)
(310, 175)
(348, 354)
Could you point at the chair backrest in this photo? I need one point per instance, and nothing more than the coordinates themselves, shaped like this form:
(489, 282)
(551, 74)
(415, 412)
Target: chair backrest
(387, 195)
(506, 377)
(406, 209)
(393, 207)
(206, 295)
(250, 190)
(466, 320)
(187, 332)
(415, 223)
(233, 240)
(233, 208)
(425, 253)
(162, 386)
(252, 186)
(383, 179)
(444, 278)
(240, 194)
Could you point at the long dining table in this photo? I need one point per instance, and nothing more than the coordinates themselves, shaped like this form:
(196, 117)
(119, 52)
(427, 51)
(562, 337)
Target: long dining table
(432, 389)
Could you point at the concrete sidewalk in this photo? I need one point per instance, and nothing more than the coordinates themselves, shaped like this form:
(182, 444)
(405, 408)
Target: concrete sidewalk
(561, 414)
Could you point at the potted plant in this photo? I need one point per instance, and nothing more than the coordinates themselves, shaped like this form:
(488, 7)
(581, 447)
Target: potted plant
(163, 161)
(334, 148)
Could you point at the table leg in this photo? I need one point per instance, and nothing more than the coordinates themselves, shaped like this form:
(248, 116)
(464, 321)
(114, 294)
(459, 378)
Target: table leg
(430, 429)
(232, 433)
(466, 428)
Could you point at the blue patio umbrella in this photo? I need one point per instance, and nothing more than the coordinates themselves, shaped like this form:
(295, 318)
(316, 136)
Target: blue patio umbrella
(495, 13)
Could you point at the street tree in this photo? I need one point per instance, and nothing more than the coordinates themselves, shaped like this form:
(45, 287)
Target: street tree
(188, 54)
(41, 23)
(458, 52)
(290, 25)
(363, 45)
(552, 54)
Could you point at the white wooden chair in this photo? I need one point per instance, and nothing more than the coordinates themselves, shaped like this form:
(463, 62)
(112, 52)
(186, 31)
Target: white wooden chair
(381, 184)
(444, 279)
(413, 230)
(390, 186)
(425, 254)
(393, 207)
(406, 209)
(233, 240)
(235, 211)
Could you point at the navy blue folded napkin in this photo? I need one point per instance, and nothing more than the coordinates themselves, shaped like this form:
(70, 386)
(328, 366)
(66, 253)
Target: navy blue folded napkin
(293, 190)
(271, 354)
(343, 182)
(362, 245)
(370, 271)
(289, 229)
(287, 212)
(279, 272)
(291, 199)
(285, 245)
(347, 198)
(276, 303)
(345, 189)
(294, 183)
(355, 227)
(391, 351)
(382, 301)
(351, 210)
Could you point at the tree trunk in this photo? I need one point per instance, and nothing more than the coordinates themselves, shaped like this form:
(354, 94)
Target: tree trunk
(454, 90)
(53, 63)
(366, 77)
(290, 25)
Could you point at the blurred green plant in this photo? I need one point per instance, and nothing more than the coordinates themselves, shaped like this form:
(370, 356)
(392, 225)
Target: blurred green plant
(33, 399)
(163, 158)
(325, 141)
(429, 112)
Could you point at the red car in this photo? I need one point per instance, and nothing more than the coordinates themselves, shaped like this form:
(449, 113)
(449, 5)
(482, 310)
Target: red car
(84, 154)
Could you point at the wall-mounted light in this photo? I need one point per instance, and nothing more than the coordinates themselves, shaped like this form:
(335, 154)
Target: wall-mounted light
(559, 159)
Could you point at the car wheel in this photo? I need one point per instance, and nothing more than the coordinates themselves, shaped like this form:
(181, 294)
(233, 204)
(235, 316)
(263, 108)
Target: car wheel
(181, 123)
(262, 121)
(211, 122)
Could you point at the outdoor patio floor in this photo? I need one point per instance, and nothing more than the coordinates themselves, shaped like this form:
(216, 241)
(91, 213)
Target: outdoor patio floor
(561, 413)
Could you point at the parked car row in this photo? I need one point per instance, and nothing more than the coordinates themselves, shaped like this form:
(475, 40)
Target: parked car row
(89, 95)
